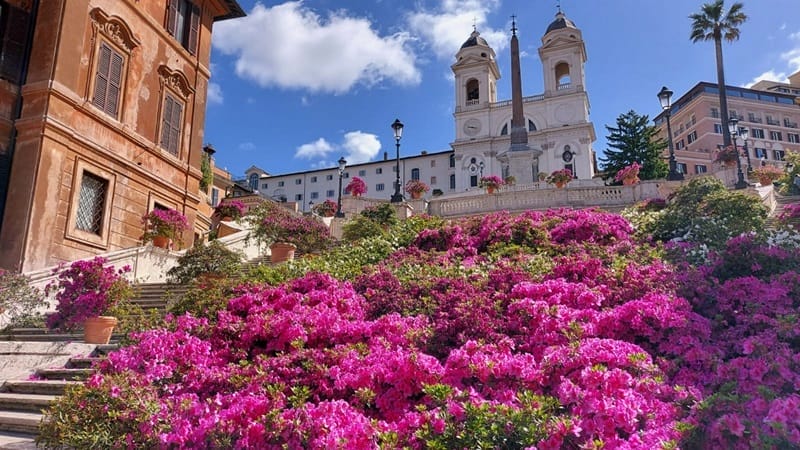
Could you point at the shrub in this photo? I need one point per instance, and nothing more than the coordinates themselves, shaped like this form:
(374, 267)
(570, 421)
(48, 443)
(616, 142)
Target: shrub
(371, 222)
(325, 209)
(212, 258)
(18, 299)
(230, 208)
(630, 172)
(562, 176)
(767, 174)
(416, 187)
(86, 289)
(726, 156)
(490, 181)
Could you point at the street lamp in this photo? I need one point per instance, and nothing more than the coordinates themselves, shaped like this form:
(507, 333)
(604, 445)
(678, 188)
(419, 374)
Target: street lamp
(744, 133)
(733, 128)
(342, 164)
(665, 97)
(397, 126)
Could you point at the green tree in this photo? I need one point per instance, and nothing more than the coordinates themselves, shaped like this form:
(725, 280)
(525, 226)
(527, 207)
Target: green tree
(633, 140)
(713, 23)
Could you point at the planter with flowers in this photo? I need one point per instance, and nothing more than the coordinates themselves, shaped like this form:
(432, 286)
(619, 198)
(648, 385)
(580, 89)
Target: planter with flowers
(629, 174)
(86, 291)
(560, 177)
(491, 183)
(356, 187)
(510, 180)
(416, 188)
(163, 225)
(285, 232)
(727, 156)
(230, 210)
(767, 174)
(325, 209)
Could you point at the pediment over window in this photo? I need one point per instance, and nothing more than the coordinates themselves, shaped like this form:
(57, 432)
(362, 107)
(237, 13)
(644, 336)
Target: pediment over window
(115, 29)
(175, 80)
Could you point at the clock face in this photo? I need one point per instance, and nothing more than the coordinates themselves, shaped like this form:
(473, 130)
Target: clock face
(472, 127)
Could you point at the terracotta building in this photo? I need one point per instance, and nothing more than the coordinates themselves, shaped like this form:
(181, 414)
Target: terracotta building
(770, 116)
(102, 105)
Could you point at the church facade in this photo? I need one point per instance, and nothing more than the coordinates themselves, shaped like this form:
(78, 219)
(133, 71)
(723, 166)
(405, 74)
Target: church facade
(554, 126)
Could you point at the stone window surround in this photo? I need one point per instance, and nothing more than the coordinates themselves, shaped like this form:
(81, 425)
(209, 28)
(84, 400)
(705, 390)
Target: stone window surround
(176, 84)
(86, 237)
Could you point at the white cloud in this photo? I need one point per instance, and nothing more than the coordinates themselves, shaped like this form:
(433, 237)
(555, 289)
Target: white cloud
(768, 75)
(290, 46)
(446, 28)
(361, 147)
(247, 146)
(356, 147)
(215, 94)
(316, 149)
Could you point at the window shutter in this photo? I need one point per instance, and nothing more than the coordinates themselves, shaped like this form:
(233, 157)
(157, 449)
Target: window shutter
(13, 45)
(194, 30)
(101, 77)
(177, 109)
(165, 122)
(114, 84)
(172, 16)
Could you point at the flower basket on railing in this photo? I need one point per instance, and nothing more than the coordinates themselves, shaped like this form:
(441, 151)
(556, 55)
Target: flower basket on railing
(628, 175)
(325, 209)
(230, 210)
(416, 188)
(356, 187)
(162, 225)
(560, 178)
(491, 183)
(767, 174)
(727, 156)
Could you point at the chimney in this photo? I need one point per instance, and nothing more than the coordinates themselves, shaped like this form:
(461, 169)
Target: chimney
(385, 156)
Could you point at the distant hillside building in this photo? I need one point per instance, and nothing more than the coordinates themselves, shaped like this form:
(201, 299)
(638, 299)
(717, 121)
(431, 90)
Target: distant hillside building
(102, 105)
(769, 111)
(553, 130)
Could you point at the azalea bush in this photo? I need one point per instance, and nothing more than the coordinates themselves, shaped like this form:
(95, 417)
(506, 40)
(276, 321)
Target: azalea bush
(164, 222)
(273, 224)
(356, 187)
(726, 155)
(562, 176)
(86, 289)
(416, 187)
(212, 258)
(230, 208)
(490, 181)
(549, 330)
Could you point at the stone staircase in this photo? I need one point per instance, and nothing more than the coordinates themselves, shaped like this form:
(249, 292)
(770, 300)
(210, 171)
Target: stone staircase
(22, 401)
(782, 201)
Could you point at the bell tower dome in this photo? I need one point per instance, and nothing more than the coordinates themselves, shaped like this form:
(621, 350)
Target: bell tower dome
(476, 74)
(563, 56)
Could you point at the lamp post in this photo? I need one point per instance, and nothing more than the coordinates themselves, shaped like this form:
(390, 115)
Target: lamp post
(665, 97)
(397, 126)
(744, 133)
(733, 128)
(342, 164)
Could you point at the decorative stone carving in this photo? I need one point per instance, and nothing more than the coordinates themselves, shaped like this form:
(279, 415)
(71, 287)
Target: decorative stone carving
(176, 81)
(585, 141)
(115, 29)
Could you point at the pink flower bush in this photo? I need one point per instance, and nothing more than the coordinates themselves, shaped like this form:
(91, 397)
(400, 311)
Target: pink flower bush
(85, 289)
(230, 208)
(356, 187)
(541, 330)
(164, 222)
(629, 172)
(491, 181)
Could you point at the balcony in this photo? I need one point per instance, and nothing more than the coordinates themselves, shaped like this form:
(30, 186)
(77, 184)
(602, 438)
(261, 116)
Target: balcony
(754, 119)
(473, 102)
(788, 124)
(771, 121)
(563, 86)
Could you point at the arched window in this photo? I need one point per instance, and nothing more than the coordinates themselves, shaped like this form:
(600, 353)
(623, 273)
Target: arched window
(531, 125)
(562, 74)
(473, 90)
(452, 160)
(504, 131)
(253, 181)
(452, 181)
(415, 174)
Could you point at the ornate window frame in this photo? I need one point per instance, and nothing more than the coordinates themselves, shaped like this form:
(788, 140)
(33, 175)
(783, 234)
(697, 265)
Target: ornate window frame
(86, 237)
(175, 84)
(115, 33)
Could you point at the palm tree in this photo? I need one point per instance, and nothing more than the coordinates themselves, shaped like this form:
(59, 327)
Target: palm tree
(713, 23)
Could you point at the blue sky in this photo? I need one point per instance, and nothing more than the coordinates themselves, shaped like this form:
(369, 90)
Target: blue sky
(296, 85)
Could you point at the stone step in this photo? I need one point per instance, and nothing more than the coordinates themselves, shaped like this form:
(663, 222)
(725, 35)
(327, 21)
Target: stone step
(20, 422)
(14, 401)
(65, 374)
(44, 387)
(83, 363)
(105, 349)
(17, 441)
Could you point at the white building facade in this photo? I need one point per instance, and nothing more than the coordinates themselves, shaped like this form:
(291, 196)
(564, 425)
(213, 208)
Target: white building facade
(560, 134)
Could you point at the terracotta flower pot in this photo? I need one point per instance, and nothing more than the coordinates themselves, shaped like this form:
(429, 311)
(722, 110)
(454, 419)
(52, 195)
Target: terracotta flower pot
(416, 195)
(161, 242)
(490, 189)
(629, 181)
(227, 219)
(765, 181)
(560, 184)
(97, 330)
(282, 252)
